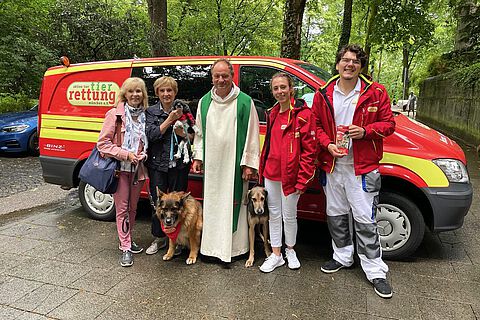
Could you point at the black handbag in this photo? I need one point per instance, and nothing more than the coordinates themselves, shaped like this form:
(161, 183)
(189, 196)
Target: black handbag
(102, 172)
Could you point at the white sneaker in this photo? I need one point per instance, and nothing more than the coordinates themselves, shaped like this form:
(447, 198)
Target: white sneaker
(272, 262)
(157, 244)
(292, 259)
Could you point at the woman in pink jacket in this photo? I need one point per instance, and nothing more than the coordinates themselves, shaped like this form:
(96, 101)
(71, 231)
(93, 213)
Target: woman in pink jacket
(130, 106)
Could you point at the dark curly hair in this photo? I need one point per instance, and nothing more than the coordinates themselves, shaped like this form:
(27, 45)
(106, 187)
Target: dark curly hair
(355, 48)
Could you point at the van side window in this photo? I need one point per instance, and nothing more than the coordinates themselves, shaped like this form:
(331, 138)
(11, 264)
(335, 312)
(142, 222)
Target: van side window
(255, 81)
(193, 81)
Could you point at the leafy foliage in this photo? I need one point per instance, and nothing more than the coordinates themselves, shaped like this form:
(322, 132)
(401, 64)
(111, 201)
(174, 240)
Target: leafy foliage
(221, 27)
(34, 33)
(95, 30)
(15, 102)
(467, 76)
(24, 56)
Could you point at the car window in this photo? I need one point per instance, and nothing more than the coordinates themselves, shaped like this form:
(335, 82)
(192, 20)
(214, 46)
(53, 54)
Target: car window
(194, 81)
(255, 81)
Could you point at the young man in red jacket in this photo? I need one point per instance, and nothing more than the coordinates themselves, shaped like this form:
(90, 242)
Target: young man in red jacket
(353, 116)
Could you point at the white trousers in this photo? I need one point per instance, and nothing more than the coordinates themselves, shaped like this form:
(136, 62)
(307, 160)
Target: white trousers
(282, 209)
(348, 194)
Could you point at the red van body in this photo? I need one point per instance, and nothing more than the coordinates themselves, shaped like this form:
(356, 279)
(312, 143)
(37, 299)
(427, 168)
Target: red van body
(424, 177)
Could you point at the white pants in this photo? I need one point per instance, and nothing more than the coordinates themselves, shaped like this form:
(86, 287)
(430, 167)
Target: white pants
(281, 208)
(348, 194)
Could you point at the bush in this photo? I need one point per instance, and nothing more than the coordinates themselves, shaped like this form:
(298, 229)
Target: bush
(15, 102)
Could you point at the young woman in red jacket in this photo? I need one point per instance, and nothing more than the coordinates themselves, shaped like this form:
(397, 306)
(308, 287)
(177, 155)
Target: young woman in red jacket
(287, 165)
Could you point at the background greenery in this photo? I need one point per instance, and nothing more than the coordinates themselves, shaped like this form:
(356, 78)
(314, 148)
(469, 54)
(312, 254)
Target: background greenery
(35, 33)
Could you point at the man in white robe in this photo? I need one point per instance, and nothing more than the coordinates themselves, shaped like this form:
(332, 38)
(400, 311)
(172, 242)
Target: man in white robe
(227, 148)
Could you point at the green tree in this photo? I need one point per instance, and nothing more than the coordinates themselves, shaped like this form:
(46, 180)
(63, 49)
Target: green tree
(93, 30)
(321, 26)
(224, 27)
(406, 25)
(24, 53)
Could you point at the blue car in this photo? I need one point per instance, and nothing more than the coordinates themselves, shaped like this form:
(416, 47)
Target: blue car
(18, 131)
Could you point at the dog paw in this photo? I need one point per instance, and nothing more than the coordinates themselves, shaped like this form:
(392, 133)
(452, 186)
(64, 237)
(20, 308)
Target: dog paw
(191, 260)
(249, 263)
(167, 257)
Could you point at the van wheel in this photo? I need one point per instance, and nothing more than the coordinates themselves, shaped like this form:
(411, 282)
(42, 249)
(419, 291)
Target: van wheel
(99, 206)
(33, 144)
(400, 224)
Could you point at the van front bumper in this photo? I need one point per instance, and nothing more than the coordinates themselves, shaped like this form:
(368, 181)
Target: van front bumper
(449, 205)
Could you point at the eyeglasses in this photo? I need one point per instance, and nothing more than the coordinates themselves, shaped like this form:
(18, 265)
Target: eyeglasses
(347, 61)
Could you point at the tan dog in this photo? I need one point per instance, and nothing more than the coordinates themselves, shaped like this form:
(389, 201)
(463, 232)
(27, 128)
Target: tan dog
(257, 214)
(180, 213)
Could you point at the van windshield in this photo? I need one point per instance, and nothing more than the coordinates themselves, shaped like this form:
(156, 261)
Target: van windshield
(319, 72)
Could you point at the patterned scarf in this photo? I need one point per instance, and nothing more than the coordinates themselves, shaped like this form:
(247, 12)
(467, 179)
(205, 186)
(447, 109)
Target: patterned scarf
(134, 129)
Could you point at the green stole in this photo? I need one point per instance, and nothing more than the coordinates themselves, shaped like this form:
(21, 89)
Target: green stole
(244, 103)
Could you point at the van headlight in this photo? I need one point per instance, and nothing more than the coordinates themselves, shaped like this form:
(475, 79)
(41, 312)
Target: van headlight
(453, 169)
(15, 128)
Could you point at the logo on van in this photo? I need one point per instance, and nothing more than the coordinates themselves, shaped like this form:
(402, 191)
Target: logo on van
(92, 93)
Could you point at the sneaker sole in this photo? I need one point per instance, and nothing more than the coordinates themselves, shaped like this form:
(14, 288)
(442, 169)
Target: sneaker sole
(150, 252)
(268, 271)
(138, 251)
(294, 268)
(383, 295)
(126, 264)
(331, 271)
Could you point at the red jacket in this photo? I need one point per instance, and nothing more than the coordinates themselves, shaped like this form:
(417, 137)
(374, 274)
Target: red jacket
(298, 147)
(372, 112)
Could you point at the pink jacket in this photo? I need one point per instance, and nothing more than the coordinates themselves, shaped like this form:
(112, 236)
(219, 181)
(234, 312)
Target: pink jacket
(107, 143)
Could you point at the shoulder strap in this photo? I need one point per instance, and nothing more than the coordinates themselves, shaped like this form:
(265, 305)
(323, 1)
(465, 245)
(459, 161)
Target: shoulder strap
(118, 129)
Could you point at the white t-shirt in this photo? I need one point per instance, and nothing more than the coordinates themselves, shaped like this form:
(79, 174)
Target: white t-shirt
(344, 106)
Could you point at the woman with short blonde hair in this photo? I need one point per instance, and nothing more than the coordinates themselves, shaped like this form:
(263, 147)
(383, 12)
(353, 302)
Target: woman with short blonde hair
(165, 81)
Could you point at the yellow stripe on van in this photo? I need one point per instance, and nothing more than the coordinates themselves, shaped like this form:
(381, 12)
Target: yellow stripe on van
(70, 128)
(172, 63)
(425, 169)
(60, 134)
(74, 125)
(89, 67)
(270, 63)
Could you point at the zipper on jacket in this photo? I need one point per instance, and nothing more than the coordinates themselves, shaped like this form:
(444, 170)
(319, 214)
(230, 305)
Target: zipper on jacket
(374, 145)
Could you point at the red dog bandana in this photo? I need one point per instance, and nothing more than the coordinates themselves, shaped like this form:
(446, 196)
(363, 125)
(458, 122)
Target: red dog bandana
(173, 235)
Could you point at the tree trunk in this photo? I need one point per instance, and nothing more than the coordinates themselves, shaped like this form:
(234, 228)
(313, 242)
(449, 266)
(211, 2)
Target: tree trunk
(371, 21)
(292, 29)
(405, 77)
(346, 28)
(157, 10)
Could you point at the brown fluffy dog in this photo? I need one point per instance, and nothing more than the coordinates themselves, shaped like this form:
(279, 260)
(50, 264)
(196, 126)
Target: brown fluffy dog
(257, 214)
(180, 212)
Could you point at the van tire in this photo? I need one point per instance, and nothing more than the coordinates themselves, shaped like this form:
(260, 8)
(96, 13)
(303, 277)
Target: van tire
(400, 224)
(99, 206)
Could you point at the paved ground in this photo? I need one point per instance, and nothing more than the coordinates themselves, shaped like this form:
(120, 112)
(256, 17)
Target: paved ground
(58, 264)
(22, 186)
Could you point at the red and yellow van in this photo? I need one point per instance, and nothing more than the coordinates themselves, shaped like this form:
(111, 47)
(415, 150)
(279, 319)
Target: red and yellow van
(424, 177)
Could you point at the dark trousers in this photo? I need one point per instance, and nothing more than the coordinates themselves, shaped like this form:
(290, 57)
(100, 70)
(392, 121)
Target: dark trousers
(175, 179)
